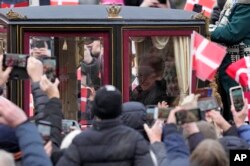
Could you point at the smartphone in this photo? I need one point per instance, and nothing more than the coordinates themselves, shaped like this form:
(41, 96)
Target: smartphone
(163, 113)
(15, 60)
(197, 8)
(49, 68)
(208, 103)
(68, 125)
(44, 128)
(204, 92)
(38, 44)
(19, 63)
(237, 98)
(152, 112)
(187, 116)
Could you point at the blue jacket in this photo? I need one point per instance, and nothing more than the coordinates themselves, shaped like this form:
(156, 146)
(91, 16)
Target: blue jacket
(175, 152)
(31, 145)
(244, 132)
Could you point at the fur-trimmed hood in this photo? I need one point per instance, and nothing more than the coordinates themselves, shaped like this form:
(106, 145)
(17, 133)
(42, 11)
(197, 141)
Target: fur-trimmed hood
(243, 1)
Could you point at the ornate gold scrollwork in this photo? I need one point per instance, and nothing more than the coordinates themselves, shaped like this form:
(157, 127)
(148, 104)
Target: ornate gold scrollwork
(14, 15)
(114, 11)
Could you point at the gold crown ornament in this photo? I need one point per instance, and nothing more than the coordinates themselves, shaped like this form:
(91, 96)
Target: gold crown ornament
(114, 11)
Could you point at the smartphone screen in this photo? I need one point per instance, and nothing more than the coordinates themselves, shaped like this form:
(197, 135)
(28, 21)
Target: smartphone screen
(15, 60)
(163, 113)
(188, 116)
(237, 98)
(49, 68)
(208, 103)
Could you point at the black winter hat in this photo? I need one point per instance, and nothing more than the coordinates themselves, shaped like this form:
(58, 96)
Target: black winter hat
(107, 103)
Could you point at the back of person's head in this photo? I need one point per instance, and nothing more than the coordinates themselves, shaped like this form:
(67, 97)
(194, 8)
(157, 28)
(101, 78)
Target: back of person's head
(134, 116)
(209, 153)
(107, 103)
(207, 129)
(232, 143)
(6, 159)
(152, 64)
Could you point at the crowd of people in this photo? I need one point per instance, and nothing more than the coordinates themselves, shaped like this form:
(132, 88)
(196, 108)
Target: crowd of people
(123, 133)
(120, 133)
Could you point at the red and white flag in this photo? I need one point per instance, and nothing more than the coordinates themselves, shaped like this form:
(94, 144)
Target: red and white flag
(240, 71)
(15, 3)
(207, 5)
(64, 2)
(206, 56)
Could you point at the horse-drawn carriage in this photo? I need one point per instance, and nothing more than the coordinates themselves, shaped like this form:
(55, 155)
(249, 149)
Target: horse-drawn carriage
(118, 42)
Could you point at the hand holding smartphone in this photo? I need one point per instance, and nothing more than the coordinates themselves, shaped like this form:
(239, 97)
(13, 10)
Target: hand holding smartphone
(237, 97)
(18, 62)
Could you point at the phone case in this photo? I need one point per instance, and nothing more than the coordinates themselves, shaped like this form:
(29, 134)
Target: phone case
(237, 102)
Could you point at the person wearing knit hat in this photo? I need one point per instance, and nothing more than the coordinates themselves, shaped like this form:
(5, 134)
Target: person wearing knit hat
(107, 103)
(108, 141)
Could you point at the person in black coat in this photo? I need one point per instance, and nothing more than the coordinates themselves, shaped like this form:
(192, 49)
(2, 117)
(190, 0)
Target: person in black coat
(108, 142)
(47, 107)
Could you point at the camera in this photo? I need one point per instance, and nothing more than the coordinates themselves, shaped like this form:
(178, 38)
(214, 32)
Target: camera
(187, 116)
(18, 62)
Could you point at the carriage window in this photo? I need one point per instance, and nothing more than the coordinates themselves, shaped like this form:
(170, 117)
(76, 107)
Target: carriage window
(78, 64)
(157, 70)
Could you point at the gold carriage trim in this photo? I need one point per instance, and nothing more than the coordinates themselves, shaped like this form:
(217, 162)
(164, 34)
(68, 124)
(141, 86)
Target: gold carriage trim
(14, 15)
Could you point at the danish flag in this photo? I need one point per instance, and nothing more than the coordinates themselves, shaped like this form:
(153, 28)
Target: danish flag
(240, 71)
(64, 2)
(207, 56)
(15, 3)
(207, 5)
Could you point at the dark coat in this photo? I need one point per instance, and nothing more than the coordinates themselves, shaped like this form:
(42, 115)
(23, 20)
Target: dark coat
(134, 115)
(39, 97)
(48, 110)
(152, 96)
(107, 143)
